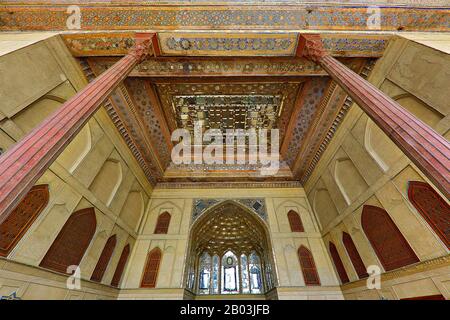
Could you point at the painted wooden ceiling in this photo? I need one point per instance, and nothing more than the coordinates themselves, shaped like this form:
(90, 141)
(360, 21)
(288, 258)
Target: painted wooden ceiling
(220, 51)
(406, 15)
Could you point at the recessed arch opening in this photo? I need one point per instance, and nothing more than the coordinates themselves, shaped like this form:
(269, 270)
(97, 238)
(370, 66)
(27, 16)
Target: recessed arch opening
(229, 252)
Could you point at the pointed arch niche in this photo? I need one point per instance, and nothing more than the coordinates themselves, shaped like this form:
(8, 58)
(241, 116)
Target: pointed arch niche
(162, 223)
(229, 252)
(390, 246)
(295, 222)
(380, 147)
(103, 261)
(72, 241)
(432, 207)
(324, 206)
(107, 181)
(349, 180)
(353, 253)
(338, 263)
(133, 209)
(421, 110)
(120, 266)
(21, 218)
(151, 270)
(75, 152)
(308, 266)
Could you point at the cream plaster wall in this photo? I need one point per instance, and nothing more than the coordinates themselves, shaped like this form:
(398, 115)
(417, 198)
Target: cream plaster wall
(377, 172)
(95, 170)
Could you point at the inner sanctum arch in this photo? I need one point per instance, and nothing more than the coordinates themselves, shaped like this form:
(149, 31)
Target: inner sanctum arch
(229, 252)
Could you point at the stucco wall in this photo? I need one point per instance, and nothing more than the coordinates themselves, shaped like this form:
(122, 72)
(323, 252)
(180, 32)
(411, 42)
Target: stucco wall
(363, 166)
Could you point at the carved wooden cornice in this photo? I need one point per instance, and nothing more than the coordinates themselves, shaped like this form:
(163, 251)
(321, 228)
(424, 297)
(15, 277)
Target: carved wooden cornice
(228, 185)
(48, 15)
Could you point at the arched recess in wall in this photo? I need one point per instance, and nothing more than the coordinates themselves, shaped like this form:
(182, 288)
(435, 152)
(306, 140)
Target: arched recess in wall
(151, 270)
(162, 224)
(75, 152)
(338, 263)
(107, 181)
(132, 209)
(72, 241)
(295, 222)
(37, 112)
(120, 266)
(421, 110)
(432, 208)
(324, 207)
(104, 259)
(380, 147)
(308, 266)
(390, 246)
(355, 258)
(13, 228)
(349, 180)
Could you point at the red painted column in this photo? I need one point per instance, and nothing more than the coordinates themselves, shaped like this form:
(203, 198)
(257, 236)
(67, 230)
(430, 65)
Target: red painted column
(24, 163)
(424, 146)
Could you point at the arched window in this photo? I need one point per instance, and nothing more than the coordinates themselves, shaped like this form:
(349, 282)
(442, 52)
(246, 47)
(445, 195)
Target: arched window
(162, 225)
(205, 273)
(230, 275)
(215, 280)
(120, 266)
(295, 222)
(255, 276)
(17, 223)
(103, 261)
(353, 253)
(432, 207)
(72, 241)
(338, 263)
(245, 274)
(151, 269)
(308, 267)
(386, 239)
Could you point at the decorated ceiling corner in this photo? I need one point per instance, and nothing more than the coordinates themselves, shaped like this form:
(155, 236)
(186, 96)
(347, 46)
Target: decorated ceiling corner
(151, 107)
(226, 44)
(113, 15)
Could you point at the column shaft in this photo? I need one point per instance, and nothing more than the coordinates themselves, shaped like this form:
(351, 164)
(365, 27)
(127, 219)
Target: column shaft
(425, 147)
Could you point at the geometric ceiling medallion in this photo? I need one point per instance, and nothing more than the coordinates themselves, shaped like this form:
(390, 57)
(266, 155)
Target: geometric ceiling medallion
(249, 44)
